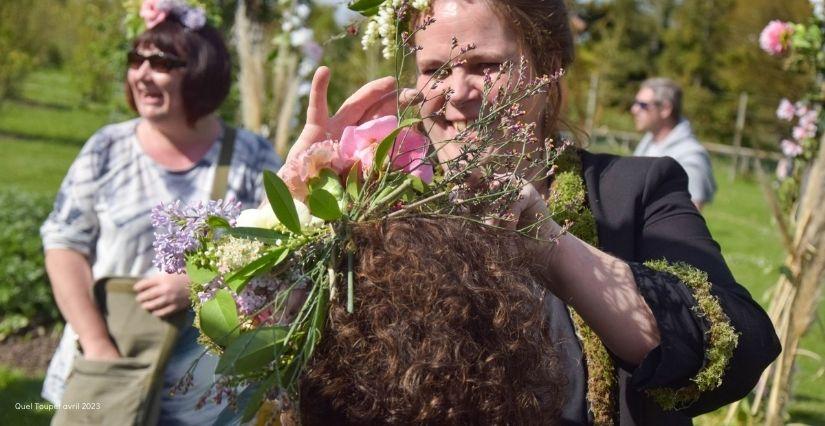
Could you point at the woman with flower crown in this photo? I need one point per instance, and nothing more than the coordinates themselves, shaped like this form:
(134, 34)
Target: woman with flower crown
(178, 74)
(649, 324)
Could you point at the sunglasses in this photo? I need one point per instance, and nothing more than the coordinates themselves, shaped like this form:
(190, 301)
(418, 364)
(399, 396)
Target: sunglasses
(644, 105)
(160, 61)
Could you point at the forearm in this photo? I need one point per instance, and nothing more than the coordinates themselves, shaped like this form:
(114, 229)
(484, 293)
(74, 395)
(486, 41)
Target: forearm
(71, 278)
(602, 289)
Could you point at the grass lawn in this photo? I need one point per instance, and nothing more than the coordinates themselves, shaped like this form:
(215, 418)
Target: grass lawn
(19, 395)
(42, 133)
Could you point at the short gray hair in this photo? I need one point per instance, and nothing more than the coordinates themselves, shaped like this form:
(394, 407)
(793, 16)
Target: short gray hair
(666, 90)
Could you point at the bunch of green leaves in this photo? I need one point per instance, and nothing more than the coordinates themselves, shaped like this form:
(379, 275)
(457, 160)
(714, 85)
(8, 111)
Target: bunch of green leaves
(25, 294)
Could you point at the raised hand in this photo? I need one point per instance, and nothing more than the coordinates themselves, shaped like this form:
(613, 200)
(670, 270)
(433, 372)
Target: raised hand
(374, 99)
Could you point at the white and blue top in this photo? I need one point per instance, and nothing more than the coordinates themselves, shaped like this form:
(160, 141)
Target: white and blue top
(103, 208)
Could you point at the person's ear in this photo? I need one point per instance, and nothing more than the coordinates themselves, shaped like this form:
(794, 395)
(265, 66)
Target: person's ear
(666, 110)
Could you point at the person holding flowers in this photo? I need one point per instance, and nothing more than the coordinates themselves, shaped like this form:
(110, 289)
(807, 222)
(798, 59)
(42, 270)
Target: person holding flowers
(178, 74)
(649, 322)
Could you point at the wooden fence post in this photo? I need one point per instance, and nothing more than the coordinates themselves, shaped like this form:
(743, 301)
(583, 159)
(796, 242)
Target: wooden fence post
(740, 127)
(592, 102)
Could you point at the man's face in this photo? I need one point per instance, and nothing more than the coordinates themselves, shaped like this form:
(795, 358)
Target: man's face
(648, 113)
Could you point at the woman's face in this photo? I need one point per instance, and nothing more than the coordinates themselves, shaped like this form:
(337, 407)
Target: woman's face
(156, 91)
(470, 22)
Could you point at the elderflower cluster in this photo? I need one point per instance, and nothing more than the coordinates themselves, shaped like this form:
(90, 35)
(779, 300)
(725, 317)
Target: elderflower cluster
(233, 253)
(384, 25)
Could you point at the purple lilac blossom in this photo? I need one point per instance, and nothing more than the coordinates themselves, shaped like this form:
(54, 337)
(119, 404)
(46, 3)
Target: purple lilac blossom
(256, 294)
(179, 230)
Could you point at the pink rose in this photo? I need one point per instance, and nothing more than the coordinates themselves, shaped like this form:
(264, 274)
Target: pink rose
(786, 110)
(308, 164)
(151, 14)
(359, 143)
(409, 152)
(775, 39)
(790, 148)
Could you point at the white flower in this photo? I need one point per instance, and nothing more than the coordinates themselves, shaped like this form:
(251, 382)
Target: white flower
(258, 218)
(305, 217)
(302, 11)
(301, 36)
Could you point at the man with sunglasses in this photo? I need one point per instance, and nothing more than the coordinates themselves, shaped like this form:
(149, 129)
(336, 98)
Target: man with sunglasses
(657, 111)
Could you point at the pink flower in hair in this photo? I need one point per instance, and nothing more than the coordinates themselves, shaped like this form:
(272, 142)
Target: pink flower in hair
(151, 14)
(776, 37)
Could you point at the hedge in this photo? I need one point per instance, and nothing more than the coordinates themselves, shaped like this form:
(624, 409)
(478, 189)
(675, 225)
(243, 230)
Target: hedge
(26, 298)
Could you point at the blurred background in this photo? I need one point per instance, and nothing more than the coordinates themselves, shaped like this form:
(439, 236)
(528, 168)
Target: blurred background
(62, 64)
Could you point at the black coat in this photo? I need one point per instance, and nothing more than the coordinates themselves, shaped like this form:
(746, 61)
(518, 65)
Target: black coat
(643, 212)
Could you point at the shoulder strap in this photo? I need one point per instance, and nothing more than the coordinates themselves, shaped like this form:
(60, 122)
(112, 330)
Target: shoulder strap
(221, 180)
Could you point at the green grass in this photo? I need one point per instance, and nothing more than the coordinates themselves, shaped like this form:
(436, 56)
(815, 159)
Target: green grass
(16, 391)
(36, 166)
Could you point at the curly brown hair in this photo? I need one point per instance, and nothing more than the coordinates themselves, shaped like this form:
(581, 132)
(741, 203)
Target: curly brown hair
(449, 328)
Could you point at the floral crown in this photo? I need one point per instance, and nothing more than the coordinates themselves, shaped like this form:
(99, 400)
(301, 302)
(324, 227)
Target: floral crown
(154, 12)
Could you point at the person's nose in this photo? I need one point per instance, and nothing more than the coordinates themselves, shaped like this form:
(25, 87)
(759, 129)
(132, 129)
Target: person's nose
(465, 87)
(144, 71)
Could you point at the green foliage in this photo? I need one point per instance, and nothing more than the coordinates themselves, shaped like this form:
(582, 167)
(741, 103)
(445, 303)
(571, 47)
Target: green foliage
(25, 295)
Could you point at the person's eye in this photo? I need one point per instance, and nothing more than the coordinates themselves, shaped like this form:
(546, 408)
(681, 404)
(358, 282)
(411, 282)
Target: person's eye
(491, 66)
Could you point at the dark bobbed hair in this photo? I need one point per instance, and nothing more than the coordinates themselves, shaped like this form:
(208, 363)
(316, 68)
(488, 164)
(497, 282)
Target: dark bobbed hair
(208, 72)
(449, 328)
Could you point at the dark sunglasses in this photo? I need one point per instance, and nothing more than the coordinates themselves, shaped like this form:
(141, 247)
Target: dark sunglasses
(161, 62)
(644, 105)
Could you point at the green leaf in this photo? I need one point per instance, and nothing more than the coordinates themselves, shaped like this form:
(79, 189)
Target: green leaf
(217, 222)
(238, 279)
(329, 181)
(281, 201)
(353, 183)
(219, 318)
(198, 275)
(257, 398)
(362, 5)
(383, 150)
(416, 183)
(252, 351)
(322, 204)
(264, 235)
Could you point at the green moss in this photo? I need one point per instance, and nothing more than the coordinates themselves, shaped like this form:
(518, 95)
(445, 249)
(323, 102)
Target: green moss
(722, 338)
(602, 385)
(568, 205)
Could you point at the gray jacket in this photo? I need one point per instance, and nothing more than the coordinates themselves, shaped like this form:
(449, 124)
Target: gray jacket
(681, 145)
